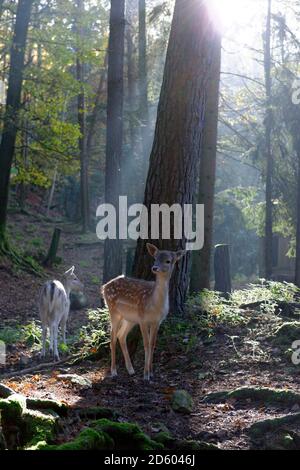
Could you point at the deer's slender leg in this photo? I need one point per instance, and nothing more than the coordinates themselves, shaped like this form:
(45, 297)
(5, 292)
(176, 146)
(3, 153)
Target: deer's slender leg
(51, 332)
(126, 327)
(115, 323)
(63, 329)
(55, 335)
(153, 336)
(146, 341)
(44, 340)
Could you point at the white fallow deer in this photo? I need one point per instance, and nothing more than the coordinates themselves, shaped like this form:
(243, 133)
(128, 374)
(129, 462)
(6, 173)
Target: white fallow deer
(54, 308)
(134, 301)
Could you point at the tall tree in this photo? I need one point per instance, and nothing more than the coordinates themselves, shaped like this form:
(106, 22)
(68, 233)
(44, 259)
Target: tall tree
(297, 271)
(114, 133)
(172, 176)
(268, 147)
(201, 262)
(84, 184)
(143, 87)
(10, 125)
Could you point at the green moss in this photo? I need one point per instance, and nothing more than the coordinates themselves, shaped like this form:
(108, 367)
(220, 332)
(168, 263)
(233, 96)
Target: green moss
(163, 437)
(38, 426)
(88, 439)
(264, 394)
(41, 404)
(126, 435)
(260, 428)
(12, 408)
(182, 401)
(97, 412)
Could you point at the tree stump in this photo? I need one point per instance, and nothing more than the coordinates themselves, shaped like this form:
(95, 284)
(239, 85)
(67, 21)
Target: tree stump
(222, 269)
(51, 256)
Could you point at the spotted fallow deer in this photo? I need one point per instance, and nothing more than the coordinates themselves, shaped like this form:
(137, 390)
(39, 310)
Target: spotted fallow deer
(134, 301)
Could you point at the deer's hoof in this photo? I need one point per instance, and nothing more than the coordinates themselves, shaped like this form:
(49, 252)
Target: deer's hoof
(131, 371)
(114, 373)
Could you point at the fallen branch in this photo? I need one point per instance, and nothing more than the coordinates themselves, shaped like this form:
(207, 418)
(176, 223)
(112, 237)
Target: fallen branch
(35, 368)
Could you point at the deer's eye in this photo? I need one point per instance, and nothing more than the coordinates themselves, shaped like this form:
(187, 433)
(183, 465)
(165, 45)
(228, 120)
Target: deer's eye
(168, 261)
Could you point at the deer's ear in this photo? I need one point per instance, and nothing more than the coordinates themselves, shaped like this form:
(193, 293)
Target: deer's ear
(179, 254)
(152, 250)
(70, 271)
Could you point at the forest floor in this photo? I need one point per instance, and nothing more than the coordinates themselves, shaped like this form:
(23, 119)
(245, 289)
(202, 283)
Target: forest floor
(233, 348)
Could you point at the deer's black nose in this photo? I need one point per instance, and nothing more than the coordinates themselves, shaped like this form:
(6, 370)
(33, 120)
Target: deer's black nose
(155, 269)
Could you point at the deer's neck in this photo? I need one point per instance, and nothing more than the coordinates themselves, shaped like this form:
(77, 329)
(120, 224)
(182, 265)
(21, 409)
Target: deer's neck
(67, 287)
(161, 291)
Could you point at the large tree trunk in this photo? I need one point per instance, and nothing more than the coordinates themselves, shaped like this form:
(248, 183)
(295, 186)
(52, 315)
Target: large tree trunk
(95, 112)
(222, 269)
(10, 125)
(143, 90)
(201, 259)
(114, 135)
(129, 167)
(297, 272)
(84, 184)
(172, 176)
(268, 143)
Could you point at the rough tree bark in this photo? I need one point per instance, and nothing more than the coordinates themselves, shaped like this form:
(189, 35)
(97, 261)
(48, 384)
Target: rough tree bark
(201, 259)
(222, 269)
(84, 164)
(51, 256)
(268, 143)
(130, 163)
(95, 112)
(10, 124)
(143, 90)
(297, 272)
(114, 133)
(172, 176)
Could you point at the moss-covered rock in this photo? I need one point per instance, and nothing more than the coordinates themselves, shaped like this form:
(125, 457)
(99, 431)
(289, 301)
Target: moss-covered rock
(88, 439)
(260, 428)
(12, 408)
(97, 412)
(284, 441)
(75, 379)
(126, 435)
(264, 394)
(163, 435)
(41, 404)
(286, 334)
(38, 426)
(164, 438)
(182, 402)
(5, 391)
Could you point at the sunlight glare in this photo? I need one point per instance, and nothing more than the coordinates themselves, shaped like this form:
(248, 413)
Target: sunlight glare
(231, 13)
